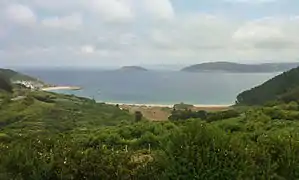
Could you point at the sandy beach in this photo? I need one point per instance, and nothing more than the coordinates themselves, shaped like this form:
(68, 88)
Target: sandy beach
(61, 88)
(171, 105)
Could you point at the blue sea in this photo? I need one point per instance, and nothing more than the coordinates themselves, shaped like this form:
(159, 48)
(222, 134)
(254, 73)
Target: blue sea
(153, 87)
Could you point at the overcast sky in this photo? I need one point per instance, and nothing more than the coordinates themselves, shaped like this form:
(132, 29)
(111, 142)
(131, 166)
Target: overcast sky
(127, 32)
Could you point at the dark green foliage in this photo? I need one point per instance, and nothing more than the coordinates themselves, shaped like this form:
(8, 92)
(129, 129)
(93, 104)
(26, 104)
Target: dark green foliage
(202, 152)
(77, 138)
(282, 87)
(222, 115)
(187, 114)
(138, 116)
(182, 106)
(5, 84)
(211, 116)
(15, 76)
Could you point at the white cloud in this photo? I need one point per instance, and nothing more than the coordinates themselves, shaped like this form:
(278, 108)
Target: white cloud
(112, 10)
(20, 14)
(70, 22)
(269, 33)
(58, 4)
(159, 9)
(77, 29)
(251, 1)
(254, 32)
(87, 49)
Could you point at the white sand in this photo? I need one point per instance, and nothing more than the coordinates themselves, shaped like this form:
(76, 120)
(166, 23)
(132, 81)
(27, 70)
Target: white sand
(61, 88)
(171, 105)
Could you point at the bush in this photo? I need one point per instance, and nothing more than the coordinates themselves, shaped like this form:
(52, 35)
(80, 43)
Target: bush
(138, 116)
(5, 84)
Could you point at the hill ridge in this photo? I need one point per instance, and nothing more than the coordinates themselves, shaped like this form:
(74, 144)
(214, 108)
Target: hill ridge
(223, 66)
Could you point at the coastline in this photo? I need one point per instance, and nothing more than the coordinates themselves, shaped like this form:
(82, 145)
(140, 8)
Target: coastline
(170, 105)
(61, 88)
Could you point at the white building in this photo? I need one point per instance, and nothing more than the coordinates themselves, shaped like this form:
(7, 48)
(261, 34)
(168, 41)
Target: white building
(30, 84)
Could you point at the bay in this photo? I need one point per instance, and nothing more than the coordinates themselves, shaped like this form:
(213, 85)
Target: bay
(153, 87)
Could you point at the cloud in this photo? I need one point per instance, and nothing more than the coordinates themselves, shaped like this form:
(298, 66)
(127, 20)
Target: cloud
(67, 22)
(20, 14)
(159, 9)
(105, 32)
(112, 10)
(87, 49)
(269, 33)
(251, 1)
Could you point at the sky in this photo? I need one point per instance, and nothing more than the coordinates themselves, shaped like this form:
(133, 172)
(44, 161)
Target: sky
(97, 33)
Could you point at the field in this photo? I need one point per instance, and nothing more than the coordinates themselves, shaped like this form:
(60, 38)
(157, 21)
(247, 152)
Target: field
(158, 113)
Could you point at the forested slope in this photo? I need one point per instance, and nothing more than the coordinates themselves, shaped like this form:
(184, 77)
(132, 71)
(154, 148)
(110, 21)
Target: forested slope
(16, 76)
(5, 84)
(283, 87)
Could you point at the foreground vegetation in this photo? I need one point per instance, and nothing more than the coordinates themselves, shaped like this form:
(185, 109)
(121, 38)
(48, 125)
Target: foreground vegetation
(51, 136)
(45, 135)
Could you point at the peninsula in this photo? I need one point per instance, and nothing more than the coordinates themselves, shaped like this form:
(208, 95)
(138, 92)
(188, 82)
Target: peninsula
(132, 68)
(240, 68)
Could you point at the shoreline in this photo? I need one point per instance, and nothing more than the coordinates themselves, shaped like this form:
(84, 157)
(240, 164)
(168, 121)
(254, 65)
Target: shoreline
(61, 88)
(169, 105)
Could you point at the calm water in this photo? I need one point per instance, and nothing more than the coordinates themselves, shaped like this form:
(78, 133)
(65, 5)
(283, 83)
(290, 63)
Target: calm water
(154, 87)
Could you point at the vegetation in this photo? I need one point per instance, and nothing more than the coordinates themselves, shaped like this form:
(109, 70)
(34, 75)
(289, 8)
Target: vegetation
(240, 68)
(257, 144)
(284, 87)
(138, 116)
(45, 135)
(183, 106)
(203, 115)
(5, 85)
(15, 76)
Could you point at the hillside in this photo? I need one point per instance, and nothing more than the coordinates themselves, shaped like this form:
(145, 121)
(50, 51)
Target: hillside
(240, 68)
(5, 85)
(16, 76)
(52, 136)
(132, 68)
(282, 87)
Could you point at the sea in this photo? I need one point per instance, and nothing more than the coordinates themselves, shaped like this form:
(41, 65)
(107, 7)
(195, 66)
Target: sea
(152, 87)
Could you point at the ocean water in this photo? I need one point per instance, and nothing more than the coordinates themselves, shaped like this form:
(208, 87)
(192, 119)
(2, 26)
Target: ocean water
(153, 87)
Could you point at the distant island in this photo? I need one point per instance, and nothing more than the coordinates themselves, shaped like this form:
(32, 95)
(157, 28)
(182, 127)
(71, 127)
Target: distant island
(240, 68)
(132, 68)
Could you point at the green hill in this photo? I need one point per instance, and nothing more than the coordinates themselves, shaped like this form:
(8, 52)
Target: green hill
(240, 68)
(16, 76)
(282, 87)
(5, 85)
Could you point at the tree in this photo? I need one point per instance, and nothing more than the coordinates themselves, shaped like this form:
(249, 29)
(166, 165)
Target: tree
(138, 116)
(5, 84)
